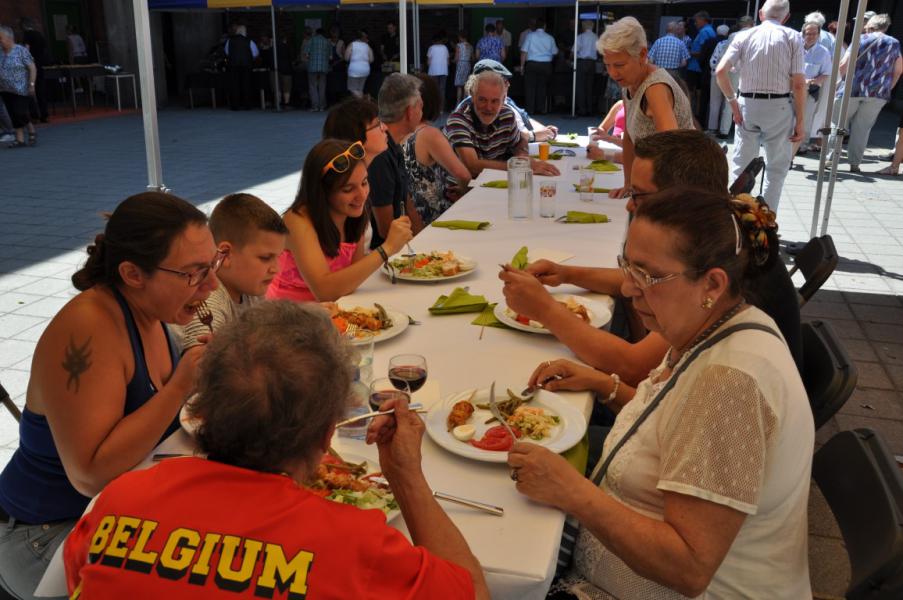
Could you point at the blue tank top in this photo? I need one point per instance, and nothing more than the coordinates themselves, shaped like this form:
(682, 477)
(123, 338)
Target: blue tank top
(33, 486)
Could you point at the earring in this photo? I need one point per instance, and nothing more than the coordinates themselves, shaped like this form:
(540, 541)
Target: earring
(708, 303)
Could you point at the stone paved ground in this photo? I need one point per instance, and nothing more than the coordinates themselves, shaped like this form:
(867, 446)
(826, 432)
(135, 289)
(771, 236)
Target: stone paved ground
(51, 198)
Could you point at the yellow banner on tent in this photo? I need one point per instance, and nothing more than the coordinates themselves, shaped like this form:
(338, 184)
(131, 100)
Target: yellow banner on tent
(237, 3)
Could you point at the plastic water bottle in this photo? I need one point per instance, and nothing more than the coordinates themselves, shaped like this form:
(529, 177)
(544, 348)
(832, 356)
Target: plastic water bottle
(360, 393)
(520, 188)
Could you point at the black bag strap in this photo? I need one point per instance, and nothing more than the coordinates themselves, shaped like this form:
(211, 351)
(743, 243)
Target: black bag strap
(602, 467)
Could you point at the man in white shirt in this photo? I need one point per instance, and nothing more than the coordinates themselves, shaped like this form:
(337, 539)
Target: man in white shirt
(586, 54)
(818, 69)
(769, 58)
(531, 27)
(437, 58)
(536, 56)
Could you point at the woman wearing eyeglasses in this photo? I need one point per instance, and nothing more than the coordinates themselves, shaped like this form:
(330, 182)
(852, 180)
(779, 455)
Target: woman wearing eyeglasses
(324, 259)
(106, 381)
(704, 479)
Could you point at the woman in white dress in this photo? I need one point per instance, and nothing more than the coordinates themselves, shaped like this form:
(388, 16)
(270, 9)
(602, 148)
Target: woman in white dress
(703, 484)
(359, 55)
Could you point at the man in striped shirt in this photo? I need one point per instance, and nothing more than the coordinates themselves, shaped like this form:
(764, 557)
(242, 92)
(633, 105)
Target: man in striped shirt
(483, 130)
(769, 58)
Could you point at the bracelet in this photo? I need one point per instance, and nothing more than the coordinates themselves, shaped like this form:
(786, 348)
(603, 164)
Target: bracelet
(731, 99)
(614, 390)
(382, 253)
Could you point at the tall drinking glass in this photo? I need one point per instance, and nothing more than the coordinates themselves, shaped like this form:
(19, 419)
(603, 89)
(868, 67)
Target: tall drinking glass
(409, 370)
(587, 178)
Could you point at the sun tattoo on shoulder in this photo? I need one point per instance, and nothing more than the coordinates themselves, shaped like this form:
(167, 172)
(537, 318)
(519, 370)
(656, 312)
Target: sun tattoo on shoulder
(76, 362)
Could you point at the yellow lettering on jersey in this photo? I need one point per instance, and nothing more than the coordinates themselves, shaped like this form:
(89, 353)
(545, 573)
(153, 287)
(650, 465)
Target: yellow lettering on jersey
(118, 548)
(236, 580)
(178, 553)
(101, 537)
(201, 568)
(139, 559)
(277, 572)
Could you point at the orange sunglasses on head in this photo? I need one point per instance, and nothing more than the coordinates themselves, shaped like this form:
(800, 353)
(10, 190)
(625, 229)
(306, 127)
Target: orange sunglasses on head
(341, 162)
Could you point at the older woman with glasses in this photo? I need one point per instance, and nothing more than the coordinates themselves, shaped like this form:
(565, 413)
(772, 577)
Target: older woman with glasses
(704, 478)
(324, 259)
(653, 100)
(106, 382)
(279, 368)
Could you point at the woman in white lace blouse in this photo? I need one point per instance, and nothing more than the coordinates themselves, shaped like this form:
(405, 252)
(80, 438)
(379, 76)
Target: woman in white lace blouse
(708, 496)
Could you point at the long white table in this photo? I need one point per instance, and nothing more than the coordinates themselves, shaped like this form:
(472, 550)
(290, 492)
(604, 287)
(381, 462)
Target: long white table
(517, 551)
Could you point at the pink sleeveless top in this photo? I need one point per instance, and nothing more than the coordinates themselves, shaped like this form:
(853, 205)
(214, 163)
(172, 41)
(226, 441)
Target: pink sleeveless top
(289, 285)
(620, 123)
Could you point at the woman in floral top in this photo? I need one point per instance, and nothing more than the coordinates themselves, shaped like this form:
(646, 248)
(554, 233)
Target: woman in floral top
(17, 81)
(490, 46)
(427, 158)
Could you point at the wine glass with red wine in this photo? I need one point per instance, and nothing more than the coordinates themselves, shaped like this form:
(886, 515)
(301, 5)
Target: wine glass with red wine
(408, 369)
(383, 389)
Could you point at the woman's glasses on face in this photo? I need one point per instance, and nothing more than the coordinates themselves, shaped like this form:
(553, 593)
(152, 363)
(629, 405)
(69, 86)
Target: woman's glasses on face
(342, 162)
(196, 277)
(641, 278)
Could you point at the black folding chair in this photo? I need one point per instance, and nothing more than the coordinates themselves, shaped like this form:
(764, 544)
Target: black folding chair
(8, 403)
(816, 260)
(828, 373)
(746, 181)
(863, 485)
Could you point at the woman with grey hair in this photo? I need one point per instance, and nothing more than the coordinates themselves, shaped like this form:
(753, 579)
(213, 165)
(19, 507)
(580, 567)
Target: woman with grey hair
(273, 384)
(17, 84)
(654, 101)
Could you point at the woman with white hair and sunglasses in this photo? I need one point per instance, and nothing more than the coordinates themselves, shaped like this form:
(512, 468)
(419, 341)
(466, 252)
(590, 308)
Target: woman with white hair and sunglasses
(17, 86)
(654, 101)
(324, 259)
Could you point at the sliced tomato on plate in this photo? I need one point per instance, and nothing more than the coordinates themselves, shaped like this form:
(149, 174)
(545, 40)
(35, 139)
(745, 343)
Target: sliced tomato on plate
(496, 439)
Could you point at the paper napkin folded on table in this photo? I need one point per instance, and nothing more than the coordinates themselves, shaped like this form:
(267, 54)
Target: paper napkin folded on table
(576, 216)
(460, 300)
(460, 224)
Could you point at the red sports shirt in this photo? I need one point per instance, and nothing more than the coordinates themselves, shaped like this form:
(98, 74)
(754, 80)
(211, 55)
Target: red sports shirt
(192, 528)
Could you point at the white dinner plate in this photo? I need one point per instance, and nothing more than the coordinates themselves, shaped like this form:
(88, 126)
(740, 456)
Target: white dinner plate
(399, 324)
(564, 436)
(468, 266)
(371, 468)
(599, 314)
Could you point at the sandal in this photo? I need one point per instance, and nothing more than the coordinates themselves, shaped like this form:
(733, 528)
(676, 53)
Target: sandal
(32, 138)
(17, 144)
(889, 170)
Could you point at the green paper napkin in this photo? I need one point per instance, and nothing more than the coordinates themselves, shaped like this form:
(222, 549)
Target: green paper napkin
(564, 144)
(595, 189)
(570, 136)
(576, 216)
(501, 184)
(520, 261)
(603, 166)
(553, 156)
(460, 300)
(472, 225)
(487, 318)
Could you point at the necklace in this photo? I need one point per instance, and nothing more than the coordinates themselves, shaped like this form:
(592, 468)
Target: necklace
(727, 316)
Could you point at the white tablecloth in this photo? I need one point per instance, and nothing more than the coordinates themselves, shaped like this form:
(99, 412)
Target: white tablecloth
(517, 551)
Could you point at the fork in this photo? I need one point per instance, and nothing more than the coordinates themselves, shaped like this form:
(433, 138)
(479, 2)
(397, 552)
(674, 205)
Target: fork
(410, 253)
(351, 330)
(494, 409)
(204, 315)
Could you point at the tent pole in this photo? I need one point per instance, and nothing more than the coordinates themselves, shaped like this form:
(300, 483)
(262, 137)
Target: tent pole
(416, 21)
(574, 57)
(755, 15)
(148, 96)
(839, 129)
(403, 35)
(278, 96)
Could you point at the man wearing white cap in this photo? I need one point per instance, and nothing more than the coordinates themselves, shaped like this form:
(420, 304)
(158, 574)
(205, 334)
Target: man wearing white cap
(769, 58)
